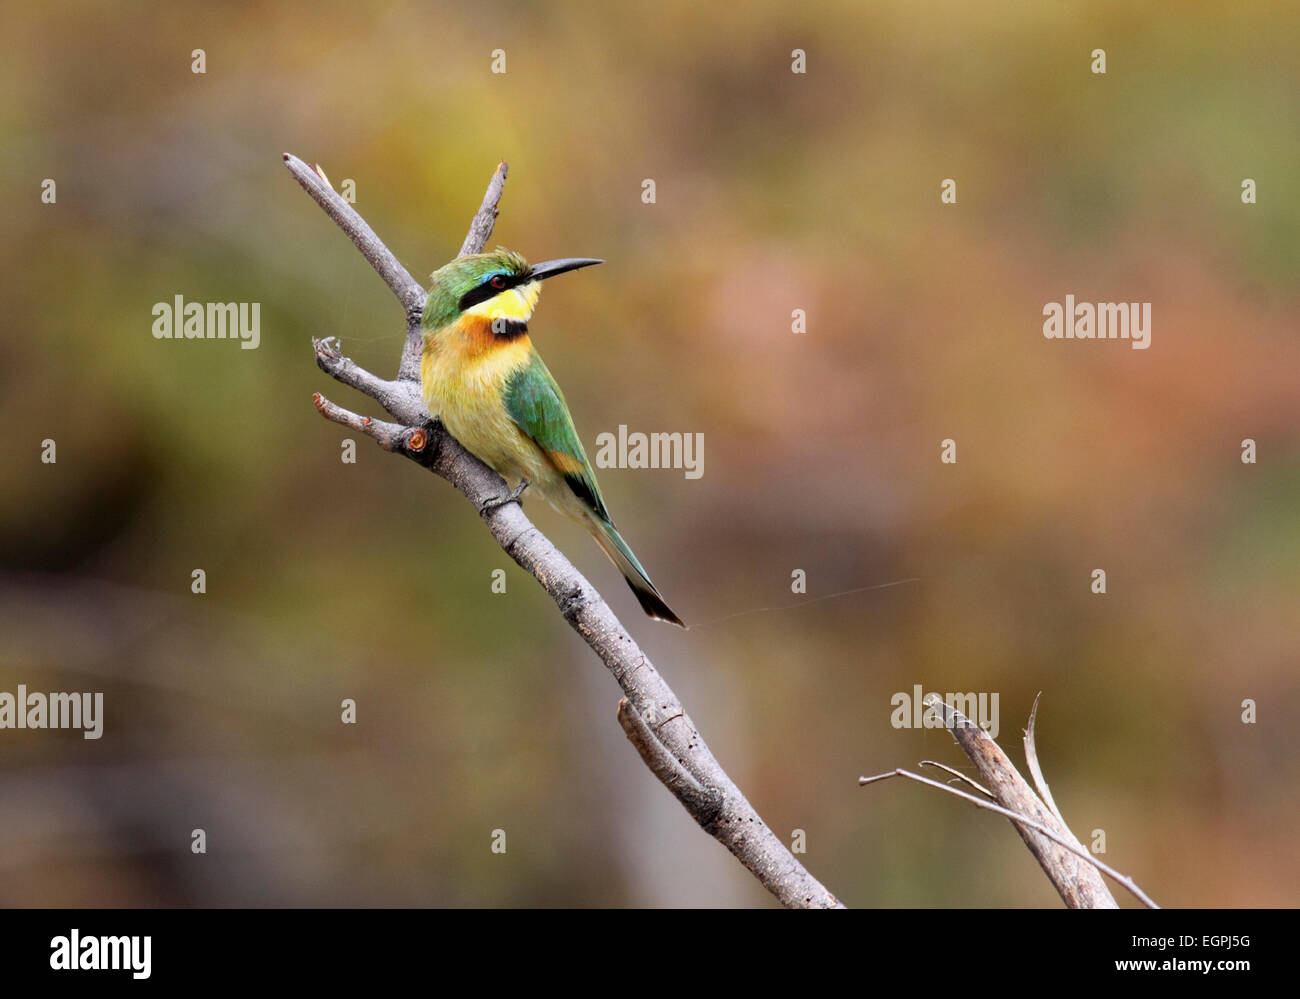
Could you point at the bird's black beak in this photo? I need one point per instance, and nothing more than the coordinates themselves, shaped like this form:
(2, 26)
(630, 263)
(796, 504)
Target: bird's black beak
(550, 268)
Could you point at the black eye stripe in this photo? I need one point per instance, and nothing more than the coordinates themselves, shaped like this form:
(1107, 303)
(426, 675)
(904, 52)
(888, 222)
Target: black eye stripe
(485, 290)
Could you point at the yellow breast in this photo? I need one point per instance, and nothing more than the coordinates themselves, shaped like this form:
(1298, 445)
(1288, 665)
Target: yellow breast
(463, 375)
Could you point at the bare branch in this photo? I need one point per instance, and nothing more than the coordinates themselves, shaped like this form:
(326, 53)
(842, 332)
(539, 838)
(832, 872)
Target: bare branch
(651, 713)
(480, 227)
(958, 775)
(387, 435)
(405, 287)
(703, 804)
(400, 397)
(1079, 885)
(1020, 819)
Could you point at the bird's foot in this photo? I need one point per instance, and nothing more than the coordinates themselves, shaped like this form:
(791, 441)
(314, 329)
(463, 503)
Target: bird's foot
(510, 497)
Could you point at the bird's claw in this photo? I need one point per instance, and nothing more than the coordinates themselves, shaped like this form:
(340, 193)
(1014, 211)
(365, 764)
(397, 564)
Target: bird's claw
(511, 497)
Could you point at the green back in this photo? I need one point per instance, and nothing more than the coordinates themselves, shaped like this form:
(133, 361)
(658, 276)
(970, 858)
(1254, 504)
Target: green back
(537, 406)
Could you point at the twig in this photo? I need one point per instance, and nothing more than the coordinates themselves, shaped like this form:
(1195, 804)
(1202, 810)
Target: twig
(1080, 886)
(406, 288)
(959, 776)
(1035, 771)
(1021, 819)
(480, 226)
(659, 726)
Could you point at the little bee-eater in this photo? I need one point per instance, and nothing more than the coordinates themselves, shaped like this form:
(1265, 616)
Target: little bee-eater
(482, 378)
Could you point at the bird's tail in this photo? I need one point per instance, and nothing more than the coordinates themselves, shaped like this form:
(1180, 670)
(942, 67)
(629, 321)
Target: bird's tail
(612, 543)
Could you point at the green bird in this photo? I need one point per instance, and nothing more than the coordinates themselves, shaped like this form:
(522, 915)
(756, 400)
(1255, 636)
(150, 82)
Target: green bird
(481, 376)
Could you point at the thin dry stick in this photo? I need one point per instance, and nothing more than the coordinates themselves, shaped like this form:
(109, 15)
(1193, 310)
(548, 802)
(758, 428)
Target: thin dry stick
(1080, 886)
(1021, 819)
(651, 713)
(1035, 771)
(958, 775)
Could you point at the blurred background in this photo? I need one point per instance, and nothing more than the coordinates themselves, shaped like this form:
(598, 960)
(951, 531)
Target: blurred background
(775, 191)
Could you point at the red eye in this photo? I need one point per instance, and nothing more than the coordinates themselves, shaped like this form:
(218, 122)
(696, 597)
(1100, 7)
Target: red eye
(497, 282)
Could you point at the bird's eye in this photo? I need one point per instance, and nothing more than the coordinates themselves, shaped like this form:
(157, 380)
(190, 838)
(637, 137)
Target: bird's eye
(497, 282)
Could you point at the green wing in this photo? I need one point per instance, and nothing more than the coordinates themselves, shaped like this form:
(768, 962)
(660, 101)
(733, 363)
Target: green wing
(537, 406)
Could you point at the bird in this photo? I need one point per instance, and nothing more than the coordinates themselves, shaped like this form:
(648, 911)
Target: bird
(481, 376)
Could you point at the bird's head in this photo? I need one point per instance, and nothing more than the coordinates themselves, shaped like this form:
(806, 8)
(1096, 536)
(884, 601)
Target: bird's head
(500, 287)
